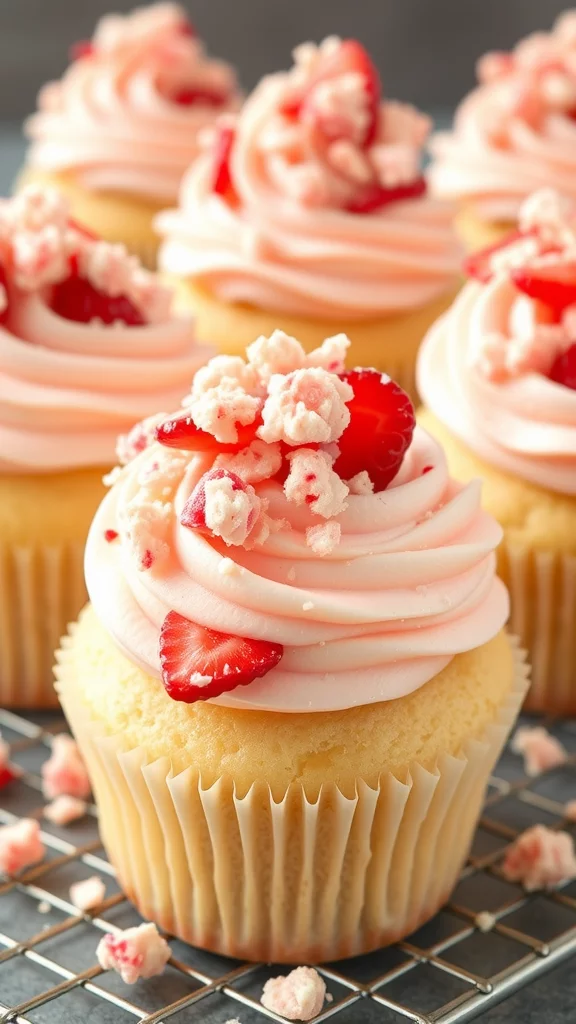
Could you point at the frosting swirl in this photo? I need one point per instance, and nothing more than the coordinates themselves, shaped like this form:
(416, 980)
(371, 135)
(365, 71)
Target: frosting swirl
(516, 132)
(364, 607)
(68, 388)
(127, 113)
(318, 218)
(491, 368)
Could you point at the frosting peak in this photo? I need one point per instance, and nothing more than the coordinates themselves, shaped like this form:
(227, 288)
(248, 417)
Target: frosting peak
(328, 593)
(127, 113)
(516, 132)
(312, 201)
(500, 368)
(87, 342)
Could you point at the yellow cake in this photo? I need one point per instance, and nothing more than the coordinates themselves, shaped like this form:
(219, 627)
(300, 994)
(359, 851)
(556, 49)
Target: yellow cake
(315, 232)
(478, 233)
(292, 683)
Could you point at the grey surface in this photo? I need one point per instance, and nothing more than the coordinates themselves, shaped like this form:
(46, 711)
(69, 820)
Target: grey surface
(49, 974)
(425, 49)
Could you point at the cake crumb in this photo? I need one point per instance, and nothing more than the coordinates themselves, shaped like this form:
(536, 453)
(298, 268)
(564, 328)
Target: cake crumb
(298, 996)
(43, 907)
(541, 751)
(291, 575)
(65, 809)
(485, 921)
(227, 567)
(88, 894)
(539, 858)
(307, 606)
(64, 772)
(134, 953)
(20, 846)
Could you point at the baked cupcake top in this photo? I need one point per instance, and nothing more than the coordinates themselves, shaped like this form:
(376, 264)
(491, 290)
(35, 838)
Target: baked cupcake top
(516, 132)
(312, 200)
(290, 541)
(126, 115)
(87, 342)
(499, 369)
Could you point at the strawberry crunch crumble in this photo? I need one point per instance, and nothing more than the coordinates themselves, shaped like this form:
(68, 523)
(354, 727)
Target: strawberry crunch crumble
(64, 772)
(134, 953)
(539, 858)
(541, 750)
(20, 846)
(298, 996)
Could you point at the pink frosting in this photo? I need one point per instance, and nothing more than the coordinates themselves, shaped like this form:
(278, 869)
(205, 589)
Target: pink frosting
(482, 367)
(410, 583)
(67, 389)
(111, 119)
(288, 243)
(516, 132)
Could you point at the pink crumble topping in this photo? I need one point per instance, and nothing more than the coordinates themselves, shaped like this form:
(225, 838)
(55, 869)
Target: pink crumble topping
(142, 435)
(64, 772)
(231, 512)
(88, 894)
(540, 750)
(280, 353)
(65, 809)
(260, 461)
(539, 858)
(134, 953)
(323, 538)
(361, 484)
(20, 846)
(312, 481)
(331, 355)
(147, 526)
(298, 996)
(223, 368)
(306, 406)
(218, 409)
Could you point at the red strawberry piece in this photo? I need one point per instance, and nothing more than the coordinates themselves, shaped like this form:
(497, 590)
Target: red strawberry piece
(349, 57)
(374, 196)
(187, 96)
(76, 299)
(4, 309)
(188, 30)
(199, 663)
(80, 50)
(110, 535)
(181, 432)
(7, 775)
(564, 368)
(380, 430)
(194, 512)
(479, 264)
(554, 284)
(222, 183)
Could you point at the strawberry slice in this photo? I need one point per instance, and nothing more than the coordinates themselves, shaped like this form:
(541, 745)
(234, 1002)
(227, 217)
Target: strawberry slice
(380, 430)
(554, 284)
(187, 96)
(350, 56)
(199, 663)
(181, 432)
(374, 196)
(76, 299)
(7, 775)
(193, 514)
(222, 183)
(479, 264)
(4, 296)
(83, 48)
(564, 369)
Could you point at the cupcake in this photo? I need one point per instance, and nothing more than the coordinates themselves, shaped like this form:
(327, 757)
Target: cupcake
(309, 212)
(117, 132)
(293, 682)
(87, 348)
(514, 134)
(498, 376)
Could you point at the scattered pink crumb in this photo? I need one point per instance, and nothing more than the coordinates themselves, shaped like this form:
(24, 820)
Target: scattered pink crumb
(88, 894)
(64, 772)
(540, 857)
(485, 921)
(43, 907)
(329, 997)
(540, 750)
(110, 535)
(312, 481)
(134, 953)
(8, 772)
(298, 996)
(20, 846)
(305, 406)
(570, 810)
(323, 538)
(65, 809)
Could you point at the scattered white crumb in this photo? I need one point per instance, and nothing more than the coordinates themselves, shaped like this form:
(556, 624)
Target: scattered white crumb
(88, 894)
(43, 907)
(329, 997)
(227, 567)
(485, 921)
(307, 606)
(291, 576)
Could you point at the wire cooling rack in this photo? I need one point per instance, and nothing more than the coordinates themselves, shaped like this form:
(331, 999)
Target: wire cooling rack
(447, 972)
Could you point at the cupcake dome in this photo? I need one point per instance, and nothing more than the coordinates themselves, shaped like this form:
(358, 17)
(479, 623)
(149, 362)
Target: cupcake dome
(310, 211)
(514, 134)
(280, 616)
(117, 132)
(87, 348)
(497, 374)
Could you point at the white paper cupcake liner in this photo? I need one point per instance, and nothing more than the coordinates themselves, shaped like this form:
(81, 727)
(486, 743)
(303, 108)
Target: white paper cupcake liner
(297, 880)
(542, 588)
(41, 590)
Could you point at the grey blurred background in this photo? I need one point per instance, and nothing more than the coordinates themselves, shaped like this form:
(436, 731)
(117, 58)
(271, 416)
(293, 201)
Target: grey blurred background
(425, 49)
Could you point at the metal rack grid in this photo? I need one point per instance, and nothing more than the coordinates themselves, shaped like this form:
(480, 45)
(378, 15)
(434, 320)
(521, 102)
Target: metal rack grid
(447, 972)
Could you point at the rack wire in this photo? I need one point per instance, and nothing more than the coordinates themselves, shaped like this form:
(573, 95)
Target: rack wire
(448, 972)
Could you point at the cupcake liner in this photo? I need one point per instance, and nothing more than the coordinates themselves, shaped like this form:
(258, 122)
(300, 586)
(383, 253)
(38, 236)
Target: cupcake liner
(41, 589)
(288, 880)
(542, 588)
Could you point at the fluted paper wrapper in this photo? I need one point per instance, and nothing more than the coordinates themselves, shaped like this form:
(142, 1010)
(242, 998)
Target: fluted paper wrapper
(289, 881)
(41, 589)
(542, 587)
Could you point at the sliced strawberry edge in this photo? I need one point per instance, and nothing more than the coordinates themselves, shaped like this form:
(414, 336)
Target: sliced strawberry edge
(375, 197)
(181, 432)
(545, 284)
(563, 369)
(77, 300)
(222, 183)
(187, 648)
(188, 96)
(193, 515)
(477, 264)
